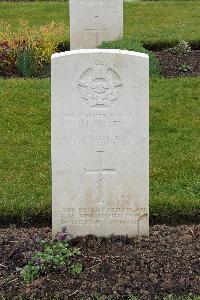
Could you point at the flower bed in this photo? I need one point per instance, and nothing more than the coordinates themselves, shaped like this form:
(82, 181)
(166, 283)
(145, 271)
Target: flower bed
(26, 52)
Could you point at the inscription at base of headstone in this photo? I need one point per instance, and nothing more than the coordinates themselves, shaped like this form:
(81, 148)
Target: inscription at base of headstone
(100, 136)
(94, 21)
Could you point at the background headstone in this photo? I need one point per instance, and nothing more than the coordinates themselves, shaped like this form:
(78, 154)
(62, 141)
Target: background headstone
(94, 21)
(100, 142)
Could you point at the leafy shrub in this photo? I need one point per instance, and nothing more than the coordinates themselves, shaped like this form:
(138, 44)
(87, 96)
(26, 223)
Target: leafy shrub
(28, 44)
(7, 59)
(51, 256)
(26, 63)
(181, 47)
(129, 43)
(184, 68)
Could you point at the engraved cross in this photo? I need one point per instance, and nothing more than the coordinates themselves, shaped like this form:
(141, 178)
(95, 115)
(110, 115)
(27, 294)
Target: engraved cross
(100, 171)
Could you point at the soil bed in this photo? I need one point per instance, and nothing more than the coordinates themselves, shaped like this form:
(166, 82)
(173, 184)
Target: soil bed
(172, 64)
(165, 263)
(183, 64)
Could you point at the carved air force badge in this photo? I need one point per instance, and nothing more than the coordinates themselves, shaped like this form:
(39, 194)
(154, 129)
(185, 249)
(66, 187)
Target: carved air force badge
(99, 86)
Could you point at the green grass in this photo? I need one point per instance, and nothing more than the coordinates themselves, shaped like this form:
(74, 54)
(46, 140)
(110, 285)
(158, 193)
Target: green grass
(175, 144)
(151, 22)
(25, 148)
(174, 150)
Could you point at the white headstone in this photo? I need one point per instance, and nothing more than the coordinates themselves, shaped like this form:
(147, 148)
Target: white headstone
(100, 142)
(94, 21)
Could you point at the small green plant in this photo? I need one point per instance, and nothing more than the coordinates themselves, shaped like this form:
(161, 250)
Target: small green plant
(184, 68)
(76, 268)
(131, 44)
(26, 63)
(50, 256)
(181, 47)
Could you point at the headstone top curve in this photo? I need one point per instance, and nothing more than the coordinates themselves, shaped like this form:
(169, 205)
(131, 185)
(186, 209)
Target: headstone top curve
(99, 51)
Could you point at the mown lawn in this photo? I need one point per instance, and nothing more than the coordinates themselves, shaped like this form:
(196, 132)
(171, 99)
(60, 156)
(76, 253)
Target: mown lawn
(174, 149)
(151, 22)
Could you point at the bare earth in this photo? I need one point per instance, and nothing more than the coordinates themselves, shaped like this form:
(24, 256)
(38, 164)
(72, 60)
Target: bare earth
(168, 262)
